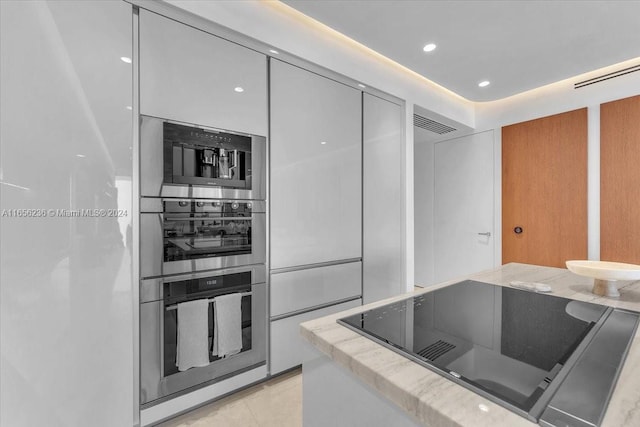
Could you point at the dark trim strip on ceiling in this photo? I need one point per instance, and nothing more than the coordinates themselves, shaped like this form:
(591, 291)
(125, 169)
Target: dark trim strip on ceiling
(608, 76)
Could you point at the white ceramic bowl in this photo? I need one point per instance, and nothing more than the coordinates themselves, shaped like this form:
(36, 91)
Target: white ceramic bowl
(605, 273)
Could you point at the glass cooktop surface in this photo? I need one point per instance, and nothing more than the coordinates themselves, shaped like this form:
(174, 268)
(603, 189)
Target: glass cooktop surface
(507, 344)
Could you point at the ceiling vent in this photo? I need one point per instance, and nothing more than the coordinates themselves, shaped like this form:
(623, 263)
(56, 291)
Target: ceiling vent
(607, 76)
(431, 125)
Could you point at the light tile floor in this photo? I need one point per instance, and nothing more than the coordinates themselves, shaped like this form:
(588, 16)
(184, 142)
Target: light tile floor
(274, 403)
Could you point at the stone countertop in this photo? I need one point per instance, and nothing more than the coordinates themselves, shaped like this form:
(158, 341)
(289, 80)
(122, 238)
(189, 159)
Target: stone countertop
(436, 401)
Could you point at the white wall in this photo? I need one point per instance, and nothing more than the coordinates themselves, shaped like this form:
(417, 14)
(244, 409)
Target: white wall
(553, 99)
(67, 289)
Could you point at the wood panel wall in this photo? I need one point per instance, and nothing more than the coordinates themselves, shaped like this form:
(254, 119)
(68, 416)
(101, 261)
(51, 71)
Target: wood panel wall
(620, 180)
(544, 190)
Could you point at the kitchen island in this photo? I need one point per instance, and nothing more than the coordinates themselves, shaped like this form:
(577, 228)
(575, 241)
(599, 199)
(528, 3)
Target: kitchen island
(351, 380)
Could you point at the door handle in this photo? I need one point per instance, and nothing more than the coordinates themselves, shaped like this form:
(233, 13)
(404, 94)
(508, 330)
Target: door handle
(488, 234)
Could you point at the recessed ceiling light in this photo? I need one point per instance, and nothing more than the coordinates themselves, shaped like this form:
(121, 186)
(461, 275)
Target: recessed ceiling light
(323, 142)
(129, 107)
(125, 59)
(429, 47)
(361, 85)
(484, 83)
(274, 51)
(238, 89)
(82, 156)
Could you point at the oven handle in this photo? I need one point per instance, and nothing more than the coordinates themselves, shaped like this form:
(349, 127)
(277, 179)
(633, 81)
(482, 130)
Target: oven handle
(211, 300)
(217, 218)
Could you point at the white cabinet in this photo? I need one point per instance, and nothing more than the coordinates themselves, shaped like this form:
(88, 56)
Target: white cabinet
(382, 201)
(303, 289)
(316, 168)
(191, 76)
(287, 346)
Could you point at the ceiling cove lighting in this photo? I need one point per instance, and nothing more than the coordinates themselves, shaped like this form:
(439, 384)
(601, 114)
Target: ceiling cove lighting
(340, 38)
(430, 47)
(239, 89)
(484, 83)
(125, 59)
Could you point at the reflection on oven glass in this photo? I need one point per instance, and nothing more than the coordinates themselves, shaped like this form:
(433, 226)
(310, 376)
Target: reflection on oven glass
(200, 230)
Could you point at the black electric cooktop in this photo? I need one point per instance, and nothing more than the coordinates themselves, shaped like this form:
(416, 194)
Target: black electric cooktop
(532, 353)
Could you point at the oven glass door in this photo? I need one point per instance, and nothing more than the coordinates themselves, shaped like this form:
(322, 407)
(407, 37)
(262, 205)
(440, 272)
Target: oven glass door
(159, 319)
(186, 235)
(206, 229)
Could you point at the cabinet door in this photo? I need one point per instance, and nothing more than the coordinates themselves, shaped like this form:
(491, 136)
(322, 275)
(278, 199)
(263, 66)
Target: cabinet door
(311, 287)
(316, 170)
(287, 348)
(382, 201)
(191, 76)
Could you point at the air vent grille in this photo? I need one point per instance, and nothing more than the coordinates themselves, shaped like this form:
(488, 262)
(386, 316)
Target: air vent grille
(436, 350)
(431, 125)
(607, 76)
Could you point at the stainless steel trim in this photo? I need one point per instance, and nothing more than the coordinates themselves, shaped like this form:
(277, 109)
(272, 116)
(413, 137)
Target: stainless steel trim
(154, 204)
(211, 300)
(537, 409)
(216, 217)
(135, 220)
(317, 265)
(268, 212)
(151, 245)
(314, 308)
(151, 289)
(597, 370)
(205, 384)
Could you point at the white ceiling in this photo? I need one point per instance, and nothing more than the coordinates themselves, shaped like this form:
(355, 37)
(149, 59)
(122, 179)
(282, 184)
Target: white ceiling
(517, 45)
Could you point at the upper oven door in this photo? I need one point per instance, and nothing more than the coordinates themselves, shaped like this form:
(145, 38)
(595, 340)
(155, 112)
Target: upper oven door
(181, 236)
(190, 161)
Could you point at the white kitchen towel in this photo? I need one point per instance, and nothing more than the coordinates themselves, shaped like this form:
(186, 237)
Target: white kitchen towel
(227, 325)
(193, 334)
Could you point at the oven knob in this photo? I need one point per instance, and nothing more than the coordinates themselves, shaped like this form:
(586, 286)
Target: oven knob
(234, 205)
(199, 204)
(248, 205)
(215, 204)
(182, 203)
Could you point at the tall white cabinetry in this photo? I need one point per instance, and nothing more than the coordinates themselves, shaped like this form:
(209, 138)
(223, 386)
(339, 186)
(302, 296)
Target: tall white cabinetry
(191, 76)
(382, 199)
(316, 203)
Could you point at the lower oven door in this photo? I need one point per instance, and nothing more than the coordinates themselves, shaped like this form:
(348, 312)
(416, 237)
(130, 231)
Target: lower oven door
(160, 377)
(180, 236)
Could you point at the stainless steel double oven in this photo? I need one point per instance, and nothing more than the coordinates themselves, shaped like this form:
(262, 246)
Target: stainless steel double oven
(203, 234)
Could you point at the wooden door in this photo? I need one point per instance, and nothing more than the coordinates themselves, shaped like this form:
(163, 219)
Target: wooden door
(620, 180)
(544, 190)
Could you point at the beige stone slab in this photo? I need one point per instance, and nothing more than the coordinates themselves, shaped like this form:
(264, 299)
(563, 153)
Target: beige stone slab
(436, 401)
